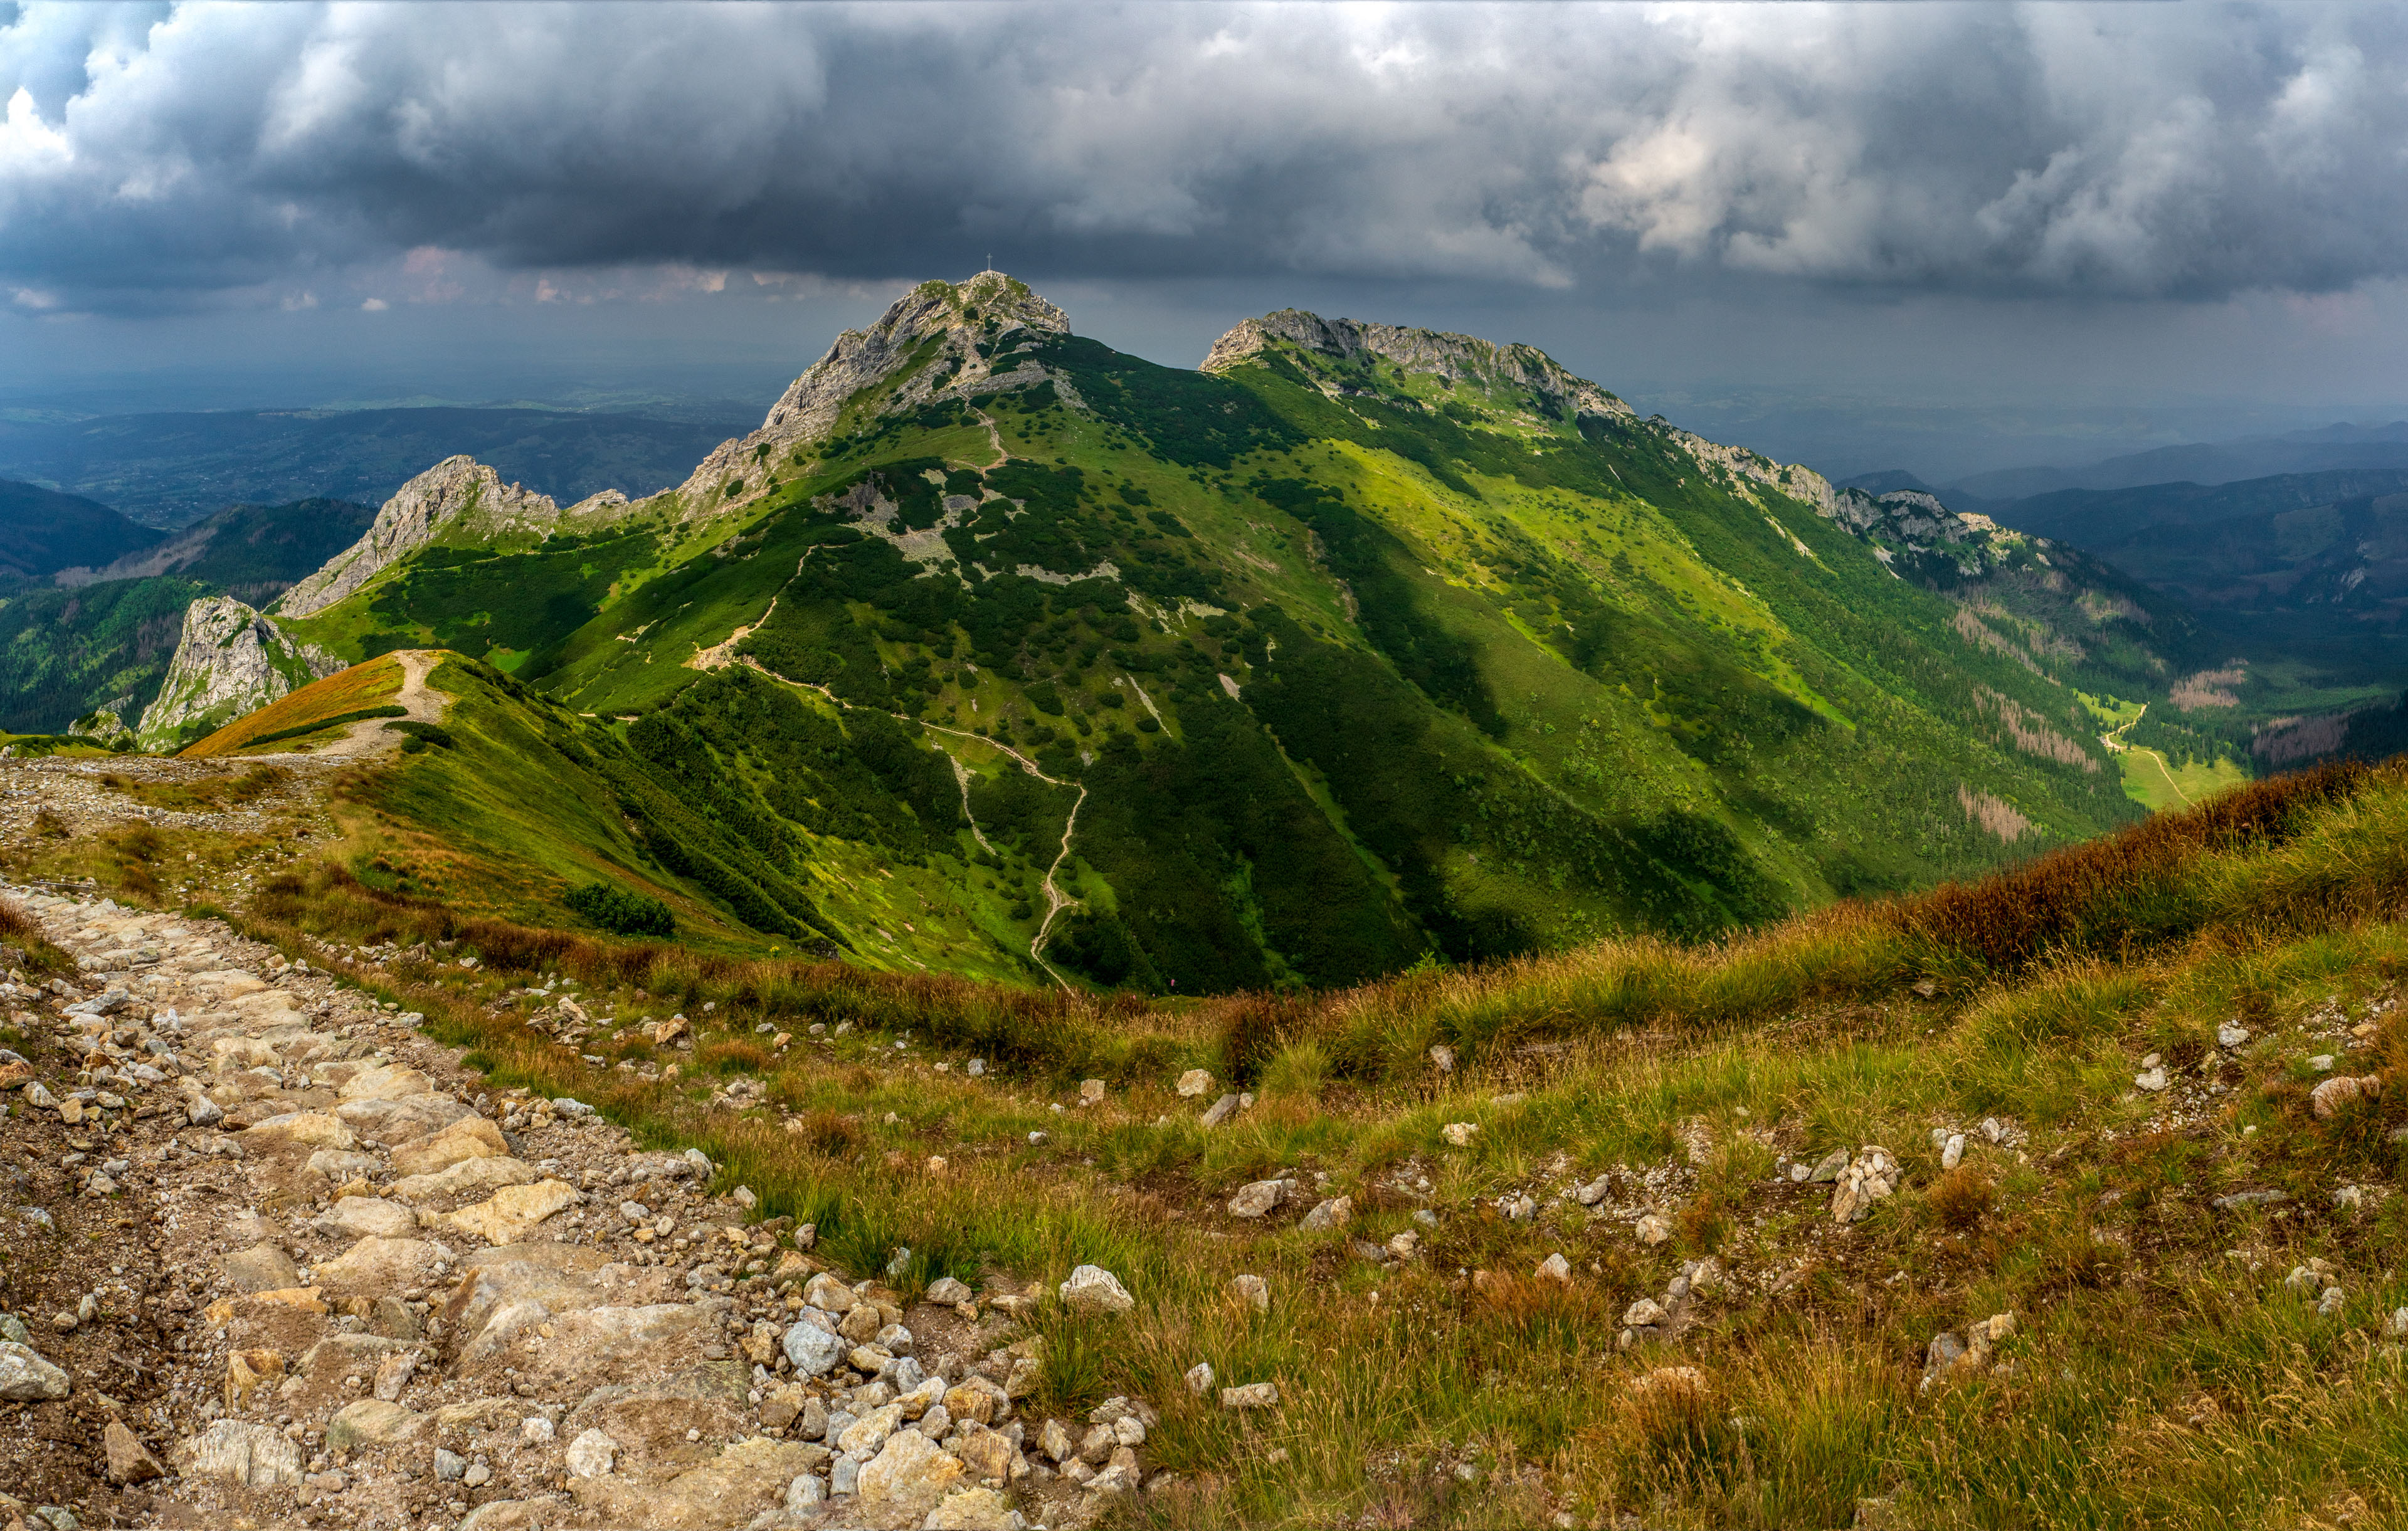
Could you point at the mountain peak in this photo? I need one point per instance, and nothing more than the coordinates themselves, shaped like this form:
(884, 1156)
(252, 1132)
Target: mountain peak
(1457, 359)
(941, 337)
(457, 494)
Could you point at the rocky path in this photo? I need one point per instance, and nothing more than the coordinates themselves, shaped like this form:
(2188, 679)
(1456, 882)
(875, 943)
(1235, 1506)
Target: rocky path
(426, 705)
(276, 1259)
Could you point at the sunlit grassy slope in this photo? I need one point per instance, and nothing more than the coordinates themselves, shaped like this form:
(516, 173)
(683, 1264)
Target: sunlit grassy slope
(2163, 1366)
(1357, 669)
(308, 715)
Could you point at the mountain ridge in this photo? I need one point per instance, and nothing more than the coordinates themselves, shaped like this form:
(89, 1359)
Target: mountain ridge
(1366, 643)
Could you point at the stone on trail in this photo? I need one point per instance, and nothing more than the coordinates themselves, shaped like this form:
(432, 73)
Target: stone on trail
(909, 1477)
(974, 1510)
(471, 1137)
(2344, 1090)
(1554, 1267)
(241, 1453)
(26, 1376)
(386, 1081)
(1092, 1289)
(813, 1351)
(358, 1216)
(744, 1481)
(247, 1372)
(375, 1267)
(1653, 1228)
(372, 1421)
(1328, 1216)
(469, 1177)
(946, 1292)
(1871, 1176)
(129, 1460)
(262, 1267)
(296, 1130)
(512, 1212)
(827, 1293)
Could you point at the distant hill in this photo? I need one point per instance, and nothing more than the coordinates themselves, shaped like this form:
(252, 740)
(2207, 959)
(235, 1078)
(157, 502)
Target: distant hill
(102, 638)
(2306, 569)
(2097, 519)
(42, 531)
(1891, 482)
(169, 470)
(2328, 450)
(253, 553)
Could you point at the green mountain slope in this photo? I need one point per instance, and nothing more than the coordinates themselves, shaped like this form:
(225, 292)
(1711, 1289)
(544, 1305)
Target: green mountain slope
(1360, 644)
(42, 531)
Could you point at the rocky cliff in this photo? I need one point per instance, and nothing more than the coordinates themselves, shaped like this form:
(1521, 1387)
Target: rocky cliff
(230, 660)
(457, 499)
(1457, 358)
(941, 339)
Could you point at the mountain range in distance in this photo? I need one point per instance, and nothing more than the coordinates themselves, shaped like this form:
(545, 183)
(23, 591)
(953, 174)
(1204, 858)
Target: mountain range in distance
(169, 470)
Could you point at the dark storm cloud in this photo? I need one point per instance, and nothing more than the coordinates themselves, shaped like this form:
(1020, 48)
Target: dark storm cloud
(154, 154)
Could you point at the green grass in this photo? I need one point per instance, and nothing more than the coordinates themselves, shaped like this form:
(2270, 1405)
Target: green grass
(2157, 785)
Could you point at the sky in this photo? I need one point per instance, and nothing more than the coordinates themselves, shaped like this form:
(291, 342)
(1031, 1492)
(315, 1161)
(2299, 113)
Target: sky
(1942, 236)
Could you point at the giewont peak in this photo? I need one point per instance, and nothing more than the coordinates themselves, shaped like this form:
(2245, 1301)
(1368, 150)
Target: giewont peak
(954, 338)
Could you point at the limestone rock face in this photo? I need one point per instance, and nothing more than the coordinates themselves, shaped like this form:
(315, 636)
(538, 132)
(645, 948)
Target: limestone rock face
(978, 323)
(457, 495)
(230, 660)
(1457, 358)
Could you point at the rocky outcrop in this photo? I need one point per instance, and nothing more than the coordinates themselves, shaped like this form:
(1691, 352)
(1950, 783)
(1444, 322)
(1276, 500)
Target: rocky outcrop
(943, 340)
(230, 660)
(457, 499)
(1910, 525)
(1457, 358)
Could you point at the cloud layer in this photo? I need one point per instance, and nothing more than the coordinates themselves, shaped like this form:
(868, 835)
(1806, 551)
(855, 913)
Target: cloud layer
(163, 155)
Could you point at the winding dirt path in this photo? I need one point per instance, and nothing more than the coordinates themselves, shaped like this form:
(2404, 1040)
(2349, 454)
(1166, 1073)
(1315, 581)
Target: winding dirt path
(2113, 740)
(1056, 899)
(369, 736)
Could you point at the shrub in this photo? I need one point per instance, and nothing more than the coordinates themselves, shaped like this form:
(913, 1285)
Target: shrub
(1961, 1199)
(423, 734)
(620, 913)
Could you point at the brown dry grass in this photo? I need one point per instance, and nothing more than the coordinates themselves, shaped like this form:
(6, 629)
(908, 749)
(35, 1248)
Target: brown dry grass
(363, 685)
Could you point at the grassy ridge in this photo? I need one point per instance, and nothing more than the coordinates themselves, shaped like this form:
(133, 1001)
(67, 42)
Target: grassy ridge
(351, 694)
